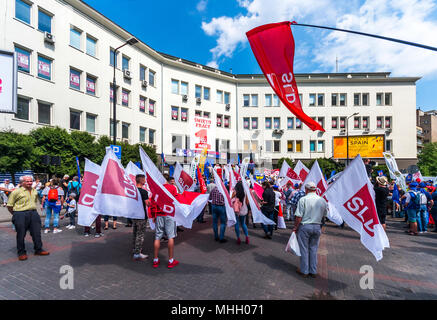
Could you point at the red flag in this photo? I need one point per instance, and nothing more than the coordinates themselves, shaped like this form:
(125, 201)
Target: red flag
(201, 182)
(160, 197)
(273, 47)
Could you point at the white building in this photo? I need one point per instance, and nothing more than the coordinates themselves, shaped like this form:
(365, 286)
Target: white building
(65, 81)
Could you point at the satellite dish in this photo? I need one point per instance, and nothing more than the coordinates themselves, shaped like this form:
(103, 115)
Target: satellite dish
(413, 169)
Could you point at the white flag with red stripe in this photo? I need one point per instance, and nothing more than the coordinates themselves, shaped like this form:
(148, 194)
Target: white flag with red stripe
(317, 177)
(116, 194)
(149, 166)
(354, 198)
(85, 205)
(301, 170)
(182, 179)
(196, 202)
(232, 179)
(257, 215)
(230, 214)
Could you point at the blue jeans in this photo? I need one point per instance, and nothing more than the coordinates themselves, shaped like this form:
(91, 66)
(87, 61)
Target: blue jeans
(241, 220)
(56, 209)
(268, 229)
(308, 238)
(423, 218)
(219, 212)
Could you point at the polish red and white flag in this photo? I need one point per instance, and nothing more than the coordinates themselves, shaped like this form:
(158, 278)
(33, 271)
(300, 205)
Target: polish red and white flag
(317, 177)
(230, 214)
(85, 206)
(232, 179)
(301, 170)
(149, 166)
(182, 179)
(257, 215)
(116, 194)
(353, 197)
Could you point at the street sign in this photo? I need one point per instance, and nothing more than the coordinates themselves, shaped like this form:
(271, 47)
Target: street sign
(117, 150)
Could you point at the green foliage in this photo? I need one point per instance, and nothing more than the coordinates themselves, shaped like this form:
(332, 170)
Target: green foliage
(280, 161)
(326, 165)
(15, 151)
(428, 160)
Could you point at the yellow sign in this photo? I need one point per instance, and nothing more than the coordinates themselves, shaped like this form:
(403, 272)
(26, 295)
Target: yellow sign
(366, 146)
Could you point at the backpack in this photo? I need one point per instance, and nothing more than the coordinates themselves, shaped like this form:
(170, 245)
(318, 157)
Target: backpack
(53, 195)
(423, 199)
(75, 189)
(415, 200)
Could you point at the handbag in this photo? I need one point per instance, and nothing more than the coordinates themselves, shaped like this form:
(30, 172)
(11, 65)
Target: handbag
(293, 245)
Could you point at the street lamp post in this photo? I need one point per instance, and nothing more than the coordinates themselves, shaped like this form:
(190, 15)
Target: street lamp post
(131, 41)
(347, 136)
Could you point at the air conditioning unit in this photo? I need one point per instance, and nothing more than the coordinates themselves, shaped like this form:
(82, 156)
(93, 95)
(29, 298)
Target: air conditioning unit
(48, 37)
(367, 130)
(184, 97)
(198, 100)
(342, 132)
(228, 107)
(144, 83)
(126, 74)
(388, 131)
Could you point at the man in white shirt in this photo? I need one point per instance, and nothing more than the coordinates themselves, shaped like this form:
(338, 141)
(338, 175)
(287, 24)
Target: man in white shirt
(5, 190)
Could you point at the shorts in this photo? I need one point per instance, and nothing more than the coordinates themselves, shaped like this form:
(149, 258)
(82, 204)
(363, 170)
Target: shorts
(165, 225)
(412, 215)
(381, 218)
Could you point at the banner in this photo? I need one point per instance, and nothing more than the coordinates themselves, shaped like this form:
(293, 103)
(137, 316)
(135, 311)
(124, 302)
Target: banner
(202, 134)
(316, 176)
(273, 47)
(182, 179)
(257, 215)
(8, 82)
(353, 197)
(301, 170)
(366, 146)
(230, 214)
(85, 212)
(116, 194)
(395, 174)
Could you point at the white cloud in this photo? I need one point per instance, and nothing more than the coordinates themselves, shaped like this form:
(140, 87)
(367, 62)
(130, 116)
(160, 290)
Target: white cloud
(411, 20)
(201, 5)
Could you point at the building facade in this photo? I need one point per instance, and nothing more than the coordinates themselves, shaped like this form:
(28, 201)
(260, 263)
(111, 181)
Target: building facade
(65, 52)
(427, 120)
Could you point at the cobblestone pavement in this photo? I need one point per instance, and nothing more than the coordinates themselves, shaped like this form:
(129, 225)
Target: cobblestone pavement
(103, 268)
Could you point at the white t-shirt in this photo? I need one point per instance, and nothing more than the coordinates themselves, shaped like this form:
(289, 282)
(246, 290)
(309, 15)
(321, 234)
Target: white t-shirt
(9, 186)
(36, 186)
(73, 208)
(277, 198)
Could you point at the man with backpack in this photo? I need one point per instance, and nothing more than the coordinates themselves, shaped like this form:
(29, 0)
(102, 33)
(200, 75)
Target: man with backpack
(423, 215)
(53, 198)
(75, 186)
(412, 202)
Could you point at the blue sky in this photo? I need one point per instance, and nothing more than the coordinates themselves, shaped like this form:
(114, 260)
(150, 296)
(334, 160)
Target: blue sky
(213, 32)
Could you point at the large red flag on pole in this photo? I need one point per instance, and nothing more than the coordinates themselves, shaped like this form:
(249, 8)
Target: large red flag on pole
(273, 47)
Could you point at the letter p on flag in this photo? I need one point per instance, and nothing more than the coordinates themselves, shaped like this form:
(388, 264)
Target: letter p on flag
(273, 47)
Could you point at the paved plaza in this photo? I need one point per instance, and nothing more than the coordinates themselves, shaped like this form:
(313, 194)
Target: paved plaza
(103, 268)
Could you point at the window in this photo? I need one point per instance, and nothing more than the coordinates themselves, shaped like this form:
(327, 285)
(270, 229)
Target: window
(75, 119)
(174, 113)
(44, 21)
(22, 11)
(91, 85)
(142, 104)
(90, 123)
(312, 99)
(290, 145)
(276, 145)
(142, 73)
(320, 146)
(142, 134)
(269, 145)
(227, 121)
(206, 114)
(365, 122)
(357, 99)
(75, 79)
(75, 37)
(298, 124)
(290, 123)
(254, 123)
(184, 114)
(151, 136)
(125, 97)
(312, 145)
(275, 100)
(379, 124)
(152, 78)
(268, 100)
(365, 99)
(219, 120)
(219, 96)
(197, 113)
(91, 46)
(254, 100)
(22, 109)
(198, 91)
(334, 101)
(299, 146)
(334, 123)
(246, 145)
(379, 99)
(357, 122)
(246, 123)
(246, 99)
(342, 99)
(387, 122)
(184, 87)
(113, 58)
(206, 93)
(342, 122)
(276, 123)
(388, 145)
(176, 143)
(23, 59)
(321, 121)
(387, 99)
(174, 86)
(320, 99)
(44, 68)
(268, 123)
(44, 113)
(125, 63)
(125, 130)
(227, 97)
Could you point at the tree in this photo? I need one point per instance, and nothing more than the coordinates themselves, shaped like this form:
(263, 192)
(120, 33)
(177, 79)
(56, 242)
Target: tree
(428, 159)
(280, 161)
(15, 152)
(327, 165)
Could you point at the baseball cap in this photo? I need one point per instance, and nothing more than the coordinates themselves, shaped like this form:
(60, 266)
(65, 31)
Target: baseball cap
(422, 185)
(413, 185)
(296, 185)
(310, 185)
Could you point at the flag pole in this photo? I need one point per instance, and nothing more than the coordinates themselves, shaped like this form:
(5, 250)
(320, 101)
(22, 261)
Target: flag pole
(368, 35)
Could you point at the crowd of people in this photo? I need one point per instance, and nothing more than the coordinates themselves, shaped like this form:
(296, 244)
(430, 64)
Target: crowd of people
(303, 207)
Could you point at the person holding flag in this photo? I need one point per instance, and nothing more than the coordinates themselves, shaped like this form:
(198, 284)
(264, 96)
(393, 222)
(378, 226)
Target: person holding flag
(381, 194)
(241, 210)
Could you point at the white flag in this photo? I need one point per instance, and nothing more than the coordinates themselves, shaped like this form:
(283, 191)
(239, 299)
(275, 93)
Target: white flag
(116, 194)
(392, 166)
(149, 166)
(317, 177)
(354, 198)
(301, 170)
(232, 180)
(85, 205)
(182, 179)
(257, 215)
(230, 214)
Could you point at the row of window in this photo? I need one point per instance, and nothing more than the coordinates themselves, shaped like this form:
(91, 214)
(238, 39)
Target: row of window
(126, 132)
(179, 141)
(336, 123)
(201, 92)
(126, 65)
(222, 120)
(293, 146)
(23, 12)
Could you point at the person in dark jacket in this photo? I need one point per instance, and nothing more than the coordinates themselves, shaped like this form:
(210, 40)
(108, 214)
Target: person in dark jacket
(268, 208)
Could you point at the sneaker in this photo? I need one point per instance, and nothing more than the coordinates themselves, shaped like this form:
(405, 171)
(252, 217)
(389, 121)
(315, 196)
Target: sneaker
(86, 234)
(156, 263)
(140, 257)
(57, 231)
(72, 227)
(97, 235)
(173, 264)
(420, 231)
(46, 230)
